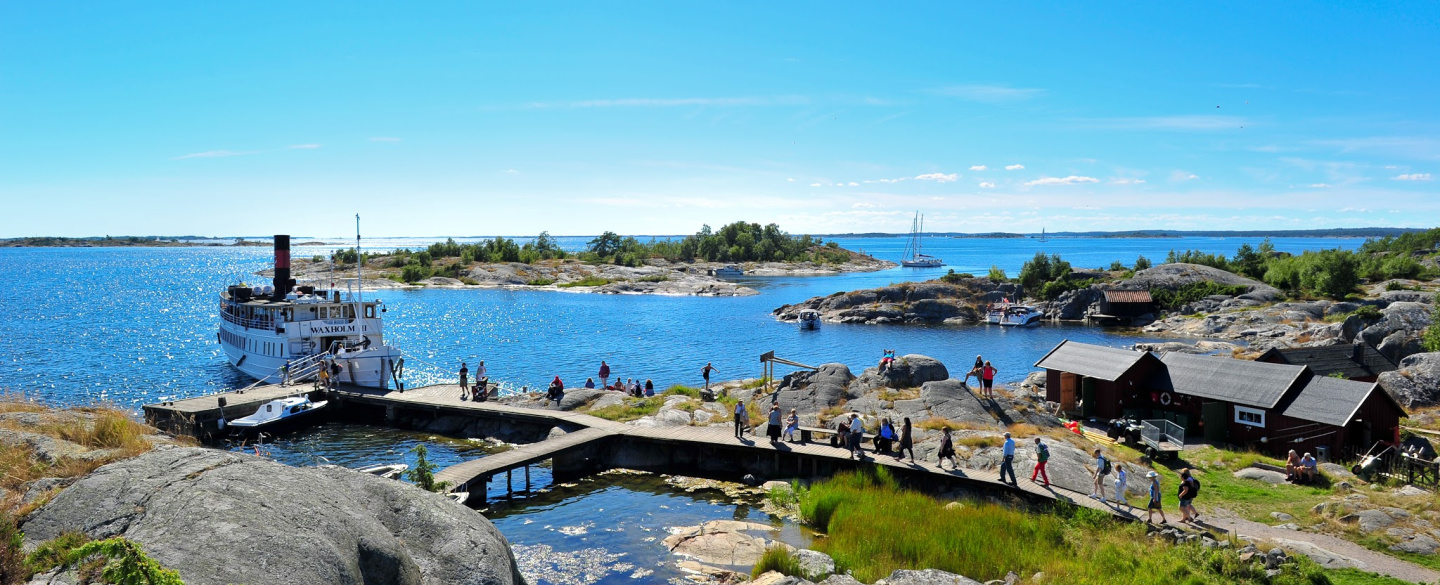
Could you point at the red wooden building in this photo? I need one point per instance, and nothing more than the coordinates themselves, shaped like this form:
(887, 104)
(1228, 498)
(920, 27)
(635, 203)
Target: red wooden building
(1268, 406)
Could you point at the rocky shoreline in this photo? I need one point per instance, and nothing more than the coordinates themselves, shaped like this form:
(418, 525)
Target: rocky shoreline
(655, 277)
(933, 302)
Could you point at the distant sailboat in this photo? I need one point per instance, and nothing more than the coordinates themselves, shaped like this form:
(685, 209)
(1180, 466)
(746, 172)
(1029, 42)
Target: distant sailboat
(913, 257)
(1042, 234)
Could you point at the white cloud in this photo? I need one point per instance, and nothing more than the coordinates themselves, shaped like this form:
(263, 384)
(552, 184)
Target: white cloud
(1321, 185)
(987, 185)
(938, 177)
(302, 146)
(1014, 167)
(784, 100)
(852, 184)
(863, 205)
(1354, 210)
(1188, 123)
(511, 172)
(789, 179)
(977, 167)
(1070, 180)
(989, 93)
(384, 139)
(816, 185)
(1392, 167)
(1126, 181)
(1413, 177)
(213, 154)
(1179, 176)
(872, 181)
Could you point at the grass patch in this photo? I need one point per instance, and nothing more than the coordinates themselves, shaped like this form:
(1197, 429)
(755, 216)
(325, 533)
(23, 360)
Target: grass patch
(1075, 546)
(936, 423)
(682, 390)
(979, 442)
(468, 281)
(1358, 577)
(632, 409)
(587, 281)
(654, 278)
(783, 561)
(541, 282)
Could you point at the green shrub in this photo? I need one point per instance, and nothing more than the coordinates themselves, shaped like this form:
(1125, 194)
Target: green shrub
(1142, 263)
(423, 472)
(1042, 269)
(782, 560)
(996, 274)
(587, 281)
(414, 272)
(55, 552)
(540, 282)
(1171, 299)
(654, 278)
(679, 390)
(953, 278)
(124, 563)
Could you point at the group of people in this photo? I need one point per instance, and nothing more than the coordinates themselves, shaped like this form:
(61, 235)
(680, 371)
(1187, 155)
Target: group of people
(985, 374)
(478, 392)
(1301, 469)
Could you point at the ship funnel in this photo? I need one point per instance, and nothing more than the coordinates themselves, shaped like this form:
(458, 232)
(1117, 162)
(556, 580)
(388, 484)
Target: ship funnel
(283, 282)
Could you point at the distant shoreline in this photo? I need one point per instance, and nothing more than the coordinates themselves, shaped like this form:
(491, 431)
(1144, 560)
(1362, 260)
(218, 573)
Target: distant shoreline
(204, 242)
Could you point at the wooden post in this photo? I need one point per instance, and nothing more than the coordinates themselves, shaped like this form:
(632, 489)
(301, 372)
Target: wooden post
(527, 480)
(484, 488)
(509, 489)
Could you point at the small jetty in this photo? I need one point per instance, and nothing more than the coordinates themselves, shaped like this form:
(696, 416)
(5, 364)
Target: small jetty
(579, 444)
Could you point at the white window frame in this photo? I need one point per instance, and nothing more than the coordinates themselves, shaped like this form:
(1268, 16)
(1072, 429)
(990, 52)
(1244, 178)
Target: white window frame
(1255, 411)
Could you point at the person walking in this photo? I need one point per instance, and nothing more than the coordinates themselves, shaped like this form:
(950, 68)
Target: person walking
(1154, 505)
(792, 426)
(857, 437)
(604, 373)
(987, 378)
(1042, 456)
(947, 450)
(773, 429)
(740, 419)
(464, 380)
(1007, 464)
(907, 441)
(1189, 488)
(1121, 476)
(1102, 469)
(705, 372)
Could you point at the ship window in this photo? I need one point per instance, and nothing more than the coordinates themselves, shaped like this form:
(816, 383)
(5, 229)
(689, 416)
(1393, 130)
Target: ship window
(369, 311)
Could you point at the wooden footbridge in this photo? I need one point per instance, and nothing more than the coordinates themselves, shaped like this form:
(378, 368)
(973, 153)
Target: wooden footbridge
(590, 444)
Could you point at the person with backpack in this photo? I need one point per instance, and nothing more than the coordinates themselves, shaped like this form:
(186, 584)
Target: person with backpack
(1102, 469)
(1006, 465)
(1042, 456)
(1154, 505)
(1189, 488)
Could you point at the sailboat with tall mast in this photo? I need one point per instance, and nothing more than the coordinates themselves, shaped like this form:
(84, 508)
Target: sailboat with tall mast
(914, 257)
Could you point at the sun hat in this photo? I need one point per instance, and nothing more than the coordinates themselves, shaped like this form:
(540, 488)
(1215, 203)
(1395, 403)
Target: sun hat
(1152, 475)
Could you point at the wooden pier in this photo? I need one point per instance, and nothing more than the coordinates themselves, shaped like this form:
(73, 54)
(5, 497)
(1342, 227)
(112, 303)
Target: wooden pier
(591, 444)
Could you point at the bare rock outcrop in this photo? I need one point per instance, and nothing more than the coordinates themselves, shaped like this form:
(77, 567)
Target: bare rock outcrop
(222, 517)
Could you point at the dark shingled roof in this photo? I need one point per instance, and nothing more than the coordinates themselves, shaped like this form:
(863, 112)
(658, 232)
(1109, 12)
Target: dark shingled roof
(1094, 361)
(1239, 381)
(1331, 400)
(1333, 359)
(1128, 296)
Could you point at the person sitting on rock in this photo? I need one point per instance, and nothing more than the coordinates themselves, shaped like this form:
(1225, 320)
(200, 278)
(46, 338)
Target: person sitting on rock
(1292, 466)
(792, 426)
(555, 392)
(975, 371)
(886, 437)
(1309, 468)
(887, 358)
(841, 438)
(590, 383)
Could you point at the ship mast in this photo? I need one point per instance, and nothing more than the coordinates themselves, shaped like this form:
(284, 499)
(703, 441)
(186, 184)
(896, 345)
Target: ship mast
(359, 270)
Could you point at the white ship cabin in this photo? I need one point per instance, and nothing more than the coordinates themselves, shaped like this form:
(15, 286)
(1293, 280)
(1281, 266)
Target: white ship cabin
(306, 321)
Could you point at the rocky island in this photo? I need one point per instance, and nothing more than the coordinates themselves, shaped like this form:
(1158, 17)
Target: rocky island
(696, 265)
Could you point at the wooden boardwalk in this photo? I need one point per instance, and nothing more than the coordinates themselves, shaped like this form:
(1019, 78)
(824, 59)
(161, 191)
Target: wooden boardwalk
(446, 398)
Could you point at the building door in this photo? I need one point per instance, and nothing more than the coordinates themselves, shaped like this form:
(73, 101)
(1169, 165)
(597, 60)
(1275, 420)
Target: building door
(1068, 383)
(1213, 414)
(1087, 397)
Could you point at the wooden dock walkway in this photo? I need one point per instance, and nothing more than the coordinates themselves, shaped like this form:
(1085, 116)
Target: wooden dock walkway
(692, 438)
(585, 430)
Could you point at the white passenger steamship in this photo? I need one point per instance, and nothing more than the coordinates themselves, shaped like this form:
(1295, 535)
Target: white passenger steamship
(281, 331)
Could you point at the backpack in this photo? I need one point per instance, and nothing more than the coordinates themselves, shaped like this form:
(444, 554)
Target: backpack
(1194, 488)
(1104, 466)
(1044, 452)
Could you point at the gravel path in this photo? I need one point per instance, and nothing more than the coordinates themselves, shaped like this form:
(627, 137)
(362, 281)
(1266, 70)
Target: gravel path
(1330, 551)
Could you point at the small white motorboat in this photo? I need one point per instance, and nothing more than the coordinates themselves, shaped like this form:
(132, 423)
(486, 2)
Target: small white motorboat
(727, 270)
(809, 319)
(277, 415)
(1014, 315)
(390, 471)
(459, 497)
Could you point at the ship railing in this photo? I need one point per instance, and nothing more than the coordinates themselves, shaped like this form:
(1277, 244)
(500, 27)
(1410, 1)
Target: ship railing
(307, 367)
(255, 323)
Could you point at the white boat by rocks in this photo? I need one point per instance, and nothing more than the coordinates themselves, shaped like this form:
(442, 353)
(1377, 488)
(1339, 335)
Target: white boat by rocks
(809, 319)
(913, 257)
(284, 333)
(458, 497)
(1013, 315)
(727, 270)
(387, 471)
(277, 415)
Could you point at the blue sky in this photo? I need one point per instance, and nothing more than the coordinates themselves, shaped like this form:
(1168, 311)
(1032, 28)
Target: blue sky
(477, 118)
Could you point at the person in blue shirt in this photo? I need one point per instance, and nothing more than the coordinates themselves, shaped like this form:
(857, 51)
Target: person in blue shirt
(1154, 505)
(590, 383)
(1006, 466)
